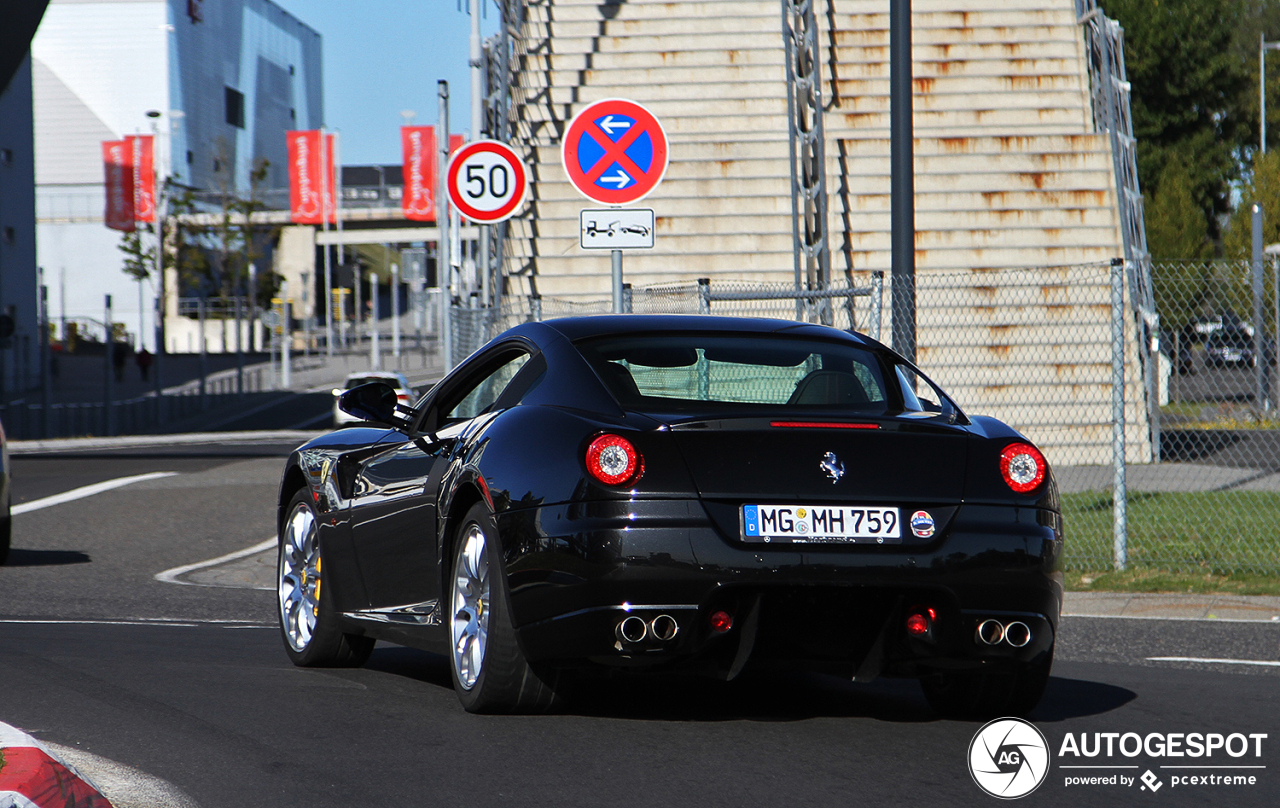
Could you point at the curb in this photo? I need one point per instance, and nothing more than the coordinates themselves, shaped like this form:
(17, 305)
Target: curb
(33, 777)
(1157, 606)
(188, 438)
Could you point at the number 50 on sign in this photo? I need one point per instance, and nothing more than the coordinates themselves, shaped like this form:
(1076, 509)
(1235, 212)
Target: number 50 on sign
(487, 181)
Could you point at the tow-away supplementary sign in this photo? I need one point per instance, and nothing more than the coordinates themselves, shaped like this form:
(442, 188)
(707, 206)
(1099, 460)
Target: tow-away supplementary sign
(616, 229)
(487, 181)
(615, 152)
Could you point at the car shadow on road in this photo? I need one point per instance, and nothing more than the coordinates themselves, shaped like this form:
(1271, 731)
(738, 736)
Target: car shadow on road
(45, 558)
(1077, 698)
(758, 696)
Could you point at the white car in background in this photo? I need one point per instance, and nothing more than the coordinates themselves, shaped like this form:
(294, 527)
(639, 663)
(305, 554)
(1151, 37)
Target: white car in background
(404, 391)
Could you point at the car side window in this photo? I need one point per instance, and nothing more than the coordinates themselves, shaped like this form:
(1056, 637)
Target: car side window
(486, 390)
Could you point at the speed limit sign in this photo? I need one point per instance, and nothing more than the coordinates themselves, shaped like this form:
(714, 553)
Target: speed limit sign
(487, 181)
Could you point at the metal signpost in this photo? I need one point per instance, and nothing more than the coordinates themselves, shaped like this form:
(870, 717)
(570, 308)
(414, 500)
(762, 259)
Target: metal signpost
(415, 274)
(615, 153)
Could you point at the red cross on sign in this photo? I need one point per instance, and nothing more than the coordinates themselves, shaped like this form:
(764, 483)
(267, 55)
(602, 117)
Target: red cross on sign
(614, 151)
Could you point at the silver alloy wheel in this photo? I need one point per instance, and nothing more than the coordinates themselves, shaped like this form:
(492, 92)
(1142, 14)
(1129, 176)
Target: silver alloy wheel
(470, 626)
(299, 573)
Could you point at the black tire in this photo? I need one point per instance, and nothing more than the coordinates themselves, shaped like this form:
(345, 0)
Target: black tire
(491, 676)
(319, 641)
(6, 532)
(982, 696)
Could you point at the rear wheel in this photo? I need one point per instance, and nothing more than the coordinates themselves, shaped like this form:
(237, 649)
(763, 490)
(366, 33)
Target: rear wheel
(308, 623)
(983, 695)
(490, 673)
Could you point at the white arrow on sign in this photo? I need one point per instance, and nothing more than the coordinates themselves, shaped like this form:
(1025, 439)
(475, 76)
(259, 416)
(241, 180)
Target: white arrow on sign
(620, 179)
(608, 124)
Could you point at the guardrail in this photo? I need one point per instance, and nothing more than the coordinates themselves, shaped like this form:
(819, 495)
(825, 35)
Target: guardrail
(25, 419)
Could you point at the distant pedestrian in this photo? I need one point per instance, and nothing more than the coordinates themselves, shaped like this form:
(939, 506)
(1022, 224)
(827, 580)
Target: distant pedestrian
(144, 362)
(119, 356)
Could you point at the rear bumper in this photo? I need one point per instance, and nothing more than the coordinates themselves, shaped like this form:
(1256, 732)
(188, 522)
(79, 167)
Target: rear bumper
(576, 571)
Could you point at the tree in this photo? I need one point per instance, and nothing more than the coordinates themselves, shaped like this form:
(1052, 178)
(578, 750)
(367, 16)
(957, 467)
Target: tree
(1263, 188)
(139, 253)
(1176, 227)
(1188, 83)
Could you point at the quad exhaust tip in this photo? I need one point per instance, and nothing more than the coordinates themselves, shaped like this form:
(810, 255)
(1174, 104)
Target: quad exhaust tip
(993, 632)
(1017, 634)
(664, 628)
(632, 629)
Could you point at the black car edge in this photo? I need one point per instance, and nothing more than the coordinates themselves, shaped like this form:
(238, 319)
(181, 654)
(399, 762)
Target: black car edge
(677, 493)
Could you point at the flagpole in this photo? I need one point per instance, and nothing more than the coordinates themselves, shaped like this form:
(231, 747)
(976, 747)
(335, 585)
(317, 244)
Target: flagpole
(324, 226)
(337, 203)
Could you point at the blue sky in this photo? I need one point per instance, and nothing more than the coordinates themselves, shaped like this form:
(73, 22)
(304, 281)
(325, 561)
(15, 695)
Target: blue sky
(384, 56)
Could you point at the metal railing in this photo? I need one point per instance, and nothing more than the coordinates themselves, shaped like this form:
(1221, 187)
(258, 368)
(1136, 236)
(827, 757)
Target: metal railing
(806, 141)
(26, 419)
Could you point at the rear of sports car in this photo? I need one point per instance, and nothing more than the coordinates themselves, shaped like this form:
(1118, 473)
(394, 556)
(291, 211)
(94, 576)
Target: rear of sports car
(788, 500)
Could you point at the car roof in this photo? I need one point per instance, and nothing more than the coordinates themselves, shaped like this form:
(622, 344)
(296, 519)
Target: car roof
(576, 328)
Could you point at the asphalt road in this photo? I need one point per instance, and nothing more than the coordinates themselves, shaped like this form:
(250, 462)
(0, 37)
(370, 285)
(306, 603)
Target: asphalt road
(190, 684)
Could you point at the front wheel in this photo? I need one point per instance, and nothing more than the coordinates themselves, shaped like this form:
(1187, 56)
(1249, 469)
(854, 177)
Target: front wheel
(6, 531)
(308, 624)
(490, 673)
(983, 695)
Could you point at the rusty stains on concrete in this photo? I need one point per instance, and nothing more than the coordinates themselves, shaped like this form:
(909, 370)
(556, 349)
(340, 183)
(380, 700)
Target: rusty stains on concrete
(1036, 178)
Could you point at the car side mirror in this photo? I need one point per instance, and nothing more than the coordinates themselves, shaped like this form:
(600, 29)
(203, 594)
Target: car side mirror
(371, 402)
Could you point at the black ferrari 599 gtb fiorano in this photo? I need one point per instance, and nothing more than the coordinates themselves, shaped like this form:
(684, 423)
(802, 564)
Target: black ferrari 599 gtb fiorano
(677, 493)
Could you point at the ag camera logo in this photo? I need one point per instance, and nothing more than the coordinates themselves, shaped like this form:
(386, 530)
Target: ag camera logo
(1009, 758)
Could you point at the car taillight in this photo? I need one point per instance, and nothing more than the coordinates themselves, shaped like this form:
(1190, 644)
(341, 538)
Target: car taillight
(612, 460)
(1023, 467)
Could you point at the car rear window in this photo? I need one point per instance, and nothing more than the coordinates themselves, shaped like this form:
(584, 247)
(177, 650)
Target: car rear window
(661, 373)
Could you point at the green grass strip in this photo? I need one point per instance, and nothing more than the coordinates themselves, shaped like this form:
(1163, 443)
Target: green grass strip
(1202, 532)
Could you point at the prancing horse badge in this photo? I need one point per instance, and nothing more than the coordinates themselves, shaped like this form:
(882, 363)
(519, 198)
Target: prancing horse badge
(832, 466)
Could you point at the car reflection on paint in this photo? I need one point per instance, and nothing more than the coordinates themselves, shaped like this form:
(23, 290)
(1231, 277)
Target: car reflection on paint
(685, 494)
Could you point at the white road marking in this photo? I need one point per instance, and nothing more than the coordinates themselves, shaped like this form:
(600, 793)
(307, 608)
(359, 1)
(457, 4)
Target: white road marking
(171, 576)
(138, 621)
(1263, 662)
(87, 491)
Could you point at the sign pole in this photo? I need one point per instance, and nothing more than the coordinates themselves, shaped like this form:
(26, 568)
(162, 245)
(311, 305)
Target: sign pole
(617, 281)
(443, 268)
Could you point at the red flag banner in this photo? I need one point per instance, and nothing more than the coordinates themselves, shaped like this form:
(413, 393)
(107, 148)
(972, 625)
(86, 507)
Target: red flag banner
(419, 146)
(117, 162)
(142, 156)
(330, 188)
(310, 195)
(456, 142)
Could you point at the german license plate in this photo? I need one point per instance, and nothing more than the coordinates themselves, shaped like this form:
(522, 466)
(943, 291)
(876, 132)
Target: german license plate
(866, 524)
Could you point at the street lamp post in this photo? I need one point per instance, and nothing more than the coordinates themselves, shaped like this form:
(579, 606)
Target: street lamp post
(1263, 47)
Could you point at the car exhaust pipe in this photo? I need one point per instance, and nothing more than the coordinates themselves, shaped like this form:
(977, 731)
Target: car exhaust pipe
(1017, 634)
(632, 630)
(990, 632)
(664, 628)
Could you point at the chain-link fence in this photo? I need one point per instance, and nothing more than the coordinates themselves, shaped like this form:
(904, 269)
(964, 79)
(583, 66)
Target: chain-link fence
(1061, 354)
